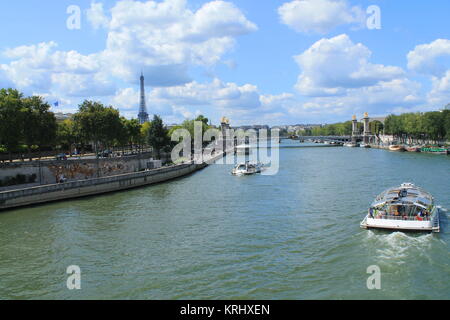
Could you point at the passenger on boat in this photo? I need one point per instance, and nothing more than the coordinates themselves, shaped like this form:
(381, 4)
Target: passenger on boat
(419, 216)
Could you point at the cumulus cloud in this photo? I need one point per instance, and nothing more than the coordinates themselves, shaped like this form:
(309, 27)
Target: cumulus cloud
(126, 98)
(319, 16)
(226, 96)
(331, 66)
(43, 68)
(96, 16)
(338, 78)
(431, 59)
(439, 95)
(168, 35)
(242, 103)
(376, 99)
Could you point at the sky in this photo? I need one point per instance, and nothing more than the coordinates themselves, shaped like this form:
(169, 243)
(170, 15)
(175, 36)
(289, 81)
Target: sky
(275, 62)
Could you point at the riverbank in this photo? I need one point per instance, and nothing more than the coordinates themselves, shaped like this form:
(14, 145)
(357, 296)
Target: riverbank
(418, 149)
(82, 188)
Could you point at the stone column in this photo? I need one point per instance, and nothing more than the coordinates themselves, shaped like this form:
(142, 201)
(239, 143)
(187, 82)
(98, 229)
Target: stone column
(367, 132)
(355, 132)
(225, 126)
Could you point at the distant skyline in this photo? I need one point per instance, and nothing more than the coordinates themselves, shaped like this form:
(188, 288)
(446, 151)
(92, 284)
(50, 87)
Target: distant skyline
(255, 62)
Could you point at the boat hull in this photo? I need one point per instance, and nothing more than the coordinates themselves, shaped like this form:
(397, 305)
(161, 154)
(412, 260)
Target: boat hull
(400, 225)
(433, 150)
(397, 148)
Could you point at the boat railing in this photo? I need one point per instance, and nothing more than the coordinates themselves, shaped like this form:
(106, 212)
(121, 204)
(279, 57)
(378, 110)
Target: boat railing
(401, 218)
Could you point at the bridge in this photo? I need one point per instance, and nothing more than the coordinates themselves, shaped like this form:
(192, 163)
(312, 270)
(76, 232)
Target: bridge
(365, 136)
(323, 138)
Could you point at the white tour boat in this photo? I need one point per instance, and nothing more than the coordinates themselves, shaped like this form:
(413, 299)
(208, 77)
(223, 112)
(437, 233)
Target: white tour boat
(247, 169)
(403, 208)
(351, 145)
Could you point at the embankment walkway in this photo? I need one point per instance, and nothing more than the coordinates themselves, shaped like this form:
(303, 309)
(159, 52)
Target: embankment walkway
(82, 188)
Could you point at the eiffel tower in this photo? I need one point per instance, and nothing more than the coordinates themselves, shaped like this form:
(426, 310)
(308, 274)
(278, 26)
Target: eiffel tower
(143, 115)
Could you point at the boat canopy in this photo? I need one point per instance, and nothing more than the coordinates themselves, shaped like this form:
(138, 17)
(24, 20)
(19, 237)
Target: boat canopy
(406, 194)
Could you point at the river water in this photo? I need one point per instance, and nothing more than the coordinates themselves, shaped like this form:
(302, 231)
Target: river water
(294, 235)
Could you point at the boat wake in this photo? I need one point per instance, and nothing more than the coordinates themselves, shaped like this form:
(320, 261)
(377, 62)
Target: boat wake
(397, 247)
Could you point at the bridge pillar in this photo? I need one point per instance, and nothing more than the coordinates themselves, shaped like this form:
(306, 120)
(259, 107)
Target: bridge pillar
(355, 132)
(367, 132)
(225, 127)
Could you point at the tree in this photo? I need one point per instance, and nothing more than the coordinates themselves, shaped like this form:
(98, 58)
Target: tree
(446, 122)
(433, 123)
(11, 119)
(134, 132)
(122, 136)
(158, 137)
(66, 135)
(39, 124)
(203, 119)
(376, 127)
(393, 125)
(145, 130)
(98, 124)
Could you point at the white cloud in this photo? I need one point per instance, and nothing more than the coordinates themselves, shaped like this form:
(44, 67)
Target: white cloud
(127, 98)
(168, 36)
(425, 58)
(332, 66)
(96, 16)
(225, 96)
(82, 85)
(433, 60)
(242, 103)
(338, 78)
(319, 16)
(43, 68)
(439, 95)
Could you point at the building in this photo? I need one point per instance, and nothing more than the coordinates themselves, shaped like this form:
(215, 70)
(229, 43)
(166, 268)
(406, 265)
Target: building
(63, 116)
(143, 115)
(257, 128)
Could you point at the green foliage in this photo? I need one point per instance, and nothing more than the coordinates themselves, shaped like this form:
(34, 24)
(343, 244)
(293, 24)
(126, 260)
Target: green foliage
(98, 124)
(25, 120)
(11, 118)
(133, 131)
(376, 127)
(158, 137)
(66, 134)
(337, 129)
(430, 125)
(39, 123)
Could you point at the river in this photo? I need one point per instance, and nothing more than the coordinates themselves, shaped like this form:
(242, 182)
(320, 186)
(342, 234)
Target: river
(294, 235)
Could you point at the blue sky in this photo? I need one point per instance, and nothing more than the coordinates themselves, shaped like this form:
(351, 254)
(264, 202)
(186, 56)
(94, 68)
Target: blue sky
(268, 62)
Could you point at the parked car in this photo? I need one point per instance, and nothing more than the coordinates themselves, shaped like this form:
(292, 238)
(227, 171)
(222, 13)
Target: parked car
(61, 156)
(105, 154)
